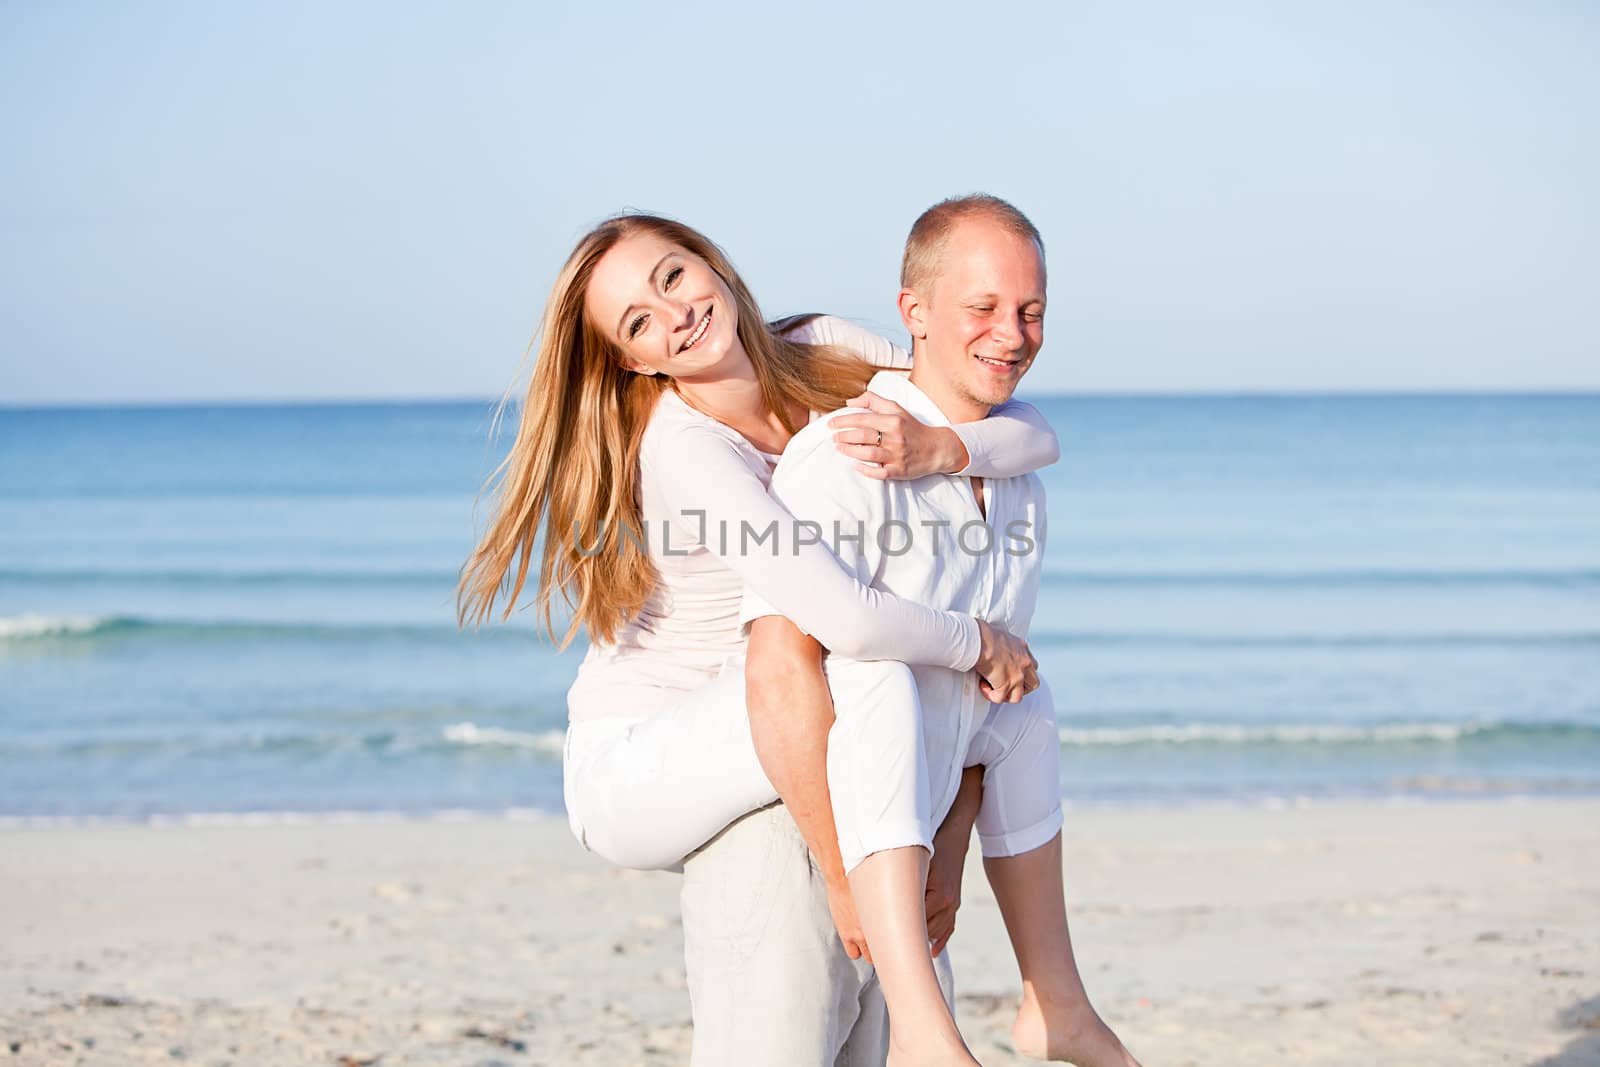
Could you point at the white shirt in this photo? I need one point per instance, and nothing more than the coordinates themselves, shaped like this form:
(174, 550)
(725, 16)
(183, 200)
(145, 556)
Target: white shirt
(701, 483)
(926, 541)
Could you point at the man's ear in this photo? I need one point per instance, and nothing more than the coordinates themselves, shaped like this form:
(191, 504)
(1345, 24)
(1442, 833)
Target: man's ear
(914, 313)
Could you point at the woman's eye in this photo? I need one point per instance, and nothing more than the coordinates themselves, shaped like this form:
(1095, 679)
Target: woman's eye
(671, 278)
(635, 326)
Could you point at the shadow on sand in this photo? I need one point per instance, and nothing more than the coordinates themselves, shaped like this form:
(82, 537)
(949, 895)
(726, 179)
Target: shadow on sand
(1584, 1049)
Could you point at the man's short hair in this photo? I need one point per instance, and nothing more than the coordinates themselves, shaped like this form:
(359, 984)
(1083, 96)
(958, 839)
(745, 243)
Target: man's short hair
(931, 232)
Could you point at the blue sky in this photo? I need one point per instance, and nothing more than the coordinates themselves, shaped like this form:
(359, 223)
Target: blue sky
(252, 201)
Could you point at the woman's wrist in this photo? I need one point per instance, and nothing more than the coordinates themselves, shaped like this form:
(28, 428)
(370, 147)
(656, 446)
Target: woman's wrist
(953, 452)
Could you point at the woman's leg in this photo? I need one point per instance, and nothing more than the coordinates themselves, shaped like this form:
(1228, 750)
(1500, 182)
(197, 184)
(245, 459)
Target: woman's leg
(888, 888)
(648, 793)
(1019, 747)
(878, 778)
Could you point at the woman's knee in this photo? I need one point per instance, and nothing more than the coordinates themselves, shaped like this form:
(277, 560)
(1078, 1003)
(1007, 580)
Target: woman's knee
(627, 845)
(883, 689)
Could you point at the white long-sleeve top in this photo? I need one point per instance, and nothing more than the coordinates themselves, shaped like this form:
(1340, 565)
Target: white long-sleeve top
(940, 550)
(705, 506)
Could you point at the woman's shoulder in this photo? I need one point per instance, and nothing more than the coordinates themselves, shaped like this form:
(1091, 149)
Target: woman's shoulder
(675, 426)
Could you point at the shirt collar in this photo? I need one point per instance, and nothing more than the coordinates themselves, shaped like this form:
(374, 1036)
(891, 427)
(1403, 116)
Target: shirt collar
(897, 386)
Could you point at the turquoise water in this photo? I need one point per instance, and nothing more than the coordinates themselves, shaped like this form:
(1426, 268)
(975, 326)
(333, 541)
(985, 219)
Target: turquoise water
(238, 609)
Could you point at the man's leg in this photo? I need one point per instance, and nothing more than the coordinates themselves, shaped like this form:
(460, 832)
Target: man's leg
(721, 973)
(769, 981)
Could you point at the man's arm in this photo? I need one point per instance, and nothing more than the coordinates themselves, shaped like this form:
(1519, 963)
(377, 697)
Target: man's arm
(791, 712)
(949, 862)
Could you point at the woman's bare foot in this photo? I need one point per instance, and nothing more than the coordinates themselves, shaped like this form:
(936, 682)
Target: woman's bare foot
(923, 1051)
(1071, 1033)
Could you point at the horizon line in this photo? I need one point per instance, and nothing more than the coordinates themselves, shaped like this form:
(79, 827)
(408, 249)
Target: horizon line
(1078, 394)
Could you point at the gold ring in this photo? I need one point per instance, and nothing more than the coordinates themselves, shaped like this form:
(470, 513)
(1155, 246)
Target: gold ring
(880, 438)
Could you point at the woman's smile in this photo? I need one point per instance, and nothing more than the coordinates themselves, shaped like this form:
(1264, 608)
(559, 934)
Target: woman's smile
(699, 331)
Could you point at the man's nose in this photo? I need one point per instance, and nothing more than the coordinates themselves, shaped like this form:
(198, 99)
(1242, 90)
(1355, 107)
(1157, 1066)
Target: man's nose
(1008, 330)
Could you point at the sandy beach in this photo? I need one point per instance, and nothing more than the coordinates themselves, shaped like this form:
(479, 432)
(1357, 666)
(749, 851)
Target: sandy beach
(1454, 933)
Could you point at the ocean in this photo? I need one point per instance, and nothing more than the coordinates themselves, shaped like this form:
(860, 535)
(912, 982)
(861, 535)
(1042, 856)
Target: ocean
(249, 609)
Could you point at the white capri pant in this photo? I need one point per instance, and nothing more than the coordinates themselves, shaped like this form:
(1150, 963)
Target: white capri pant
(644, 793)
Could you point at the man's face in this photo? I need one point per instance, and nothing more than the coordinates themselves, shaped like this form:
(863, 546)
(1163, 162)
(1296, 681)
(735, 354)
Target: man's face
(982, 320)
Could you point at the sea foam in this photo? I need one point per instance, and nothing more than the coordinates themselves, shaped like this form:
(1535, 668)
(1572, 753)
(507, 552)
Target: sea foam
(26, 627)
(550, 742)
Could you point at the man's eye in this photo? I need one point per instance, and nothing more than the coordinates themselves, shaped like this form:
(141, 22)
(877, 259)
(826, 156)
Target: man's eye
(672, 277)
(985, 308)
(1034, 316)
(635, 326)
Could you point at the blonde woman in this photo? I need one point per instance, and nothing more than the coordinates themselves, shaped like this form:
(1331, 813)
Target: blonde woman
(659, 402)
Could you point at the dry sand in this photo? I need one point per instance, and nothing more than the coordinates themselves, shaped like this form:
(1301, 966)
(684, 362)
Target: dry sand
(1448, 934)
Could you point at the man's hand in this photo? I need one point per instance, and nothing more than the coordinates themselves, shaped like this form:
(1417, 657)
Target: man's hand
(842, 906)
(950, 841)
(943, 897)
(902, 446)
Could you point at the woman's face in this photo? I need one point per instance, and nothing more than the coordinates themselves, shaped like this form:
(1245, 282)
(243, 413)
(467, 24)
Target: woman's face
(664, 306)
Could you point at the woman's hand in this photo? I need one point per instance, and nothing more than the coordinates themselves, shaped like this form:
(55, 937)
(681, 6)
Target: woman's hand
(901, 445)
(1007, 671)
(842, 906)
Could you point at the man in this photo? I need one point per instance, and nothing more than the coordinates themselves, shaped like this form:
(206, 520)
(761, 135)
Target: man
(973, 299)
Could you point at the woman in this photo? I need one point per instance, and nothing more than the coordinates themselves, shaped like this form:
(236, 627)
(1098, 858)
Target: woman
(658, 404)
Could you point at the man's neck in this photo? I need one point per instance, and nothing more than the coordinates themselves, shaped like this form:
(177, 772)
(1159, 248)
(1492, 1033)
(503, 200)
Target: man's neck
(956, 407)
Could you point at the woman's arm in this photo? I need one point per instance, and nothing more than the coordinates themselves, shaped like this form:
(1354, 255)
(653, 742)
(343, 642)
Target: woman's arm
(949, 860)
(1015, 439)
(715, 498)
(835, 332)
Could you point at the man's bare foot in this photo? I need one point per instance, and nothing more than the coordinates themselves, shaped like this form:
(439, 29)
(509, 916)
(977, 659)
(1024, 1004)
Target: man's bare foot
(917, 1053)
(1072, 1034)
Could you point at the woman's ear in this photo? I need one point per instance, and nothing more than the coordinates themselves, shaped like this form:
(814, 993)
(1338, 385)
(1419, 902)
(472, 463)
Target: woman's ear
(640, 368)
(914, 313)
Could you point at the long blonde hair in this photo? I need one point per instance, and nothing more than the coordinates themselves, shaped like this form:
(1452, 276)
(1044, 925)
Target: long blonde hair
(573, 471)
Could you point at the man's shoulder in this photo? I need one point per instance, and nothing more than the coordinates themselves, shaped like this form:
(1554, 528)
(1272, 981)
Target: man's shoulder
(812, 450)
(1031, 485)
(813, 467)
